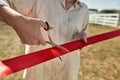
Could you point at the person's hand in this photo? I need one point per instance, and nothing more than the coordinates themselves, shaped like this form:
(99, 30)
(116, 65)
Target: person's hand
(29, 32)
(80, 36)
(28, 29)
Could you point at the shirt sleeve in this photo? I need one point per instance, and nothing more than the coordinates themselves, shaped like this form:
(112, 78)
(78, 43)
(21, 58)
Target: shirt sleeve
(22, 6)
(2, 2)
(86, 24)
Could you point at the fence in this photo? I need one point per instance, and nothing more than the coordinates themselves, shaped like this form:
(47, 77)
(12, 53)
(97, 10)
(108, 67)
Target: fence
(105, 19)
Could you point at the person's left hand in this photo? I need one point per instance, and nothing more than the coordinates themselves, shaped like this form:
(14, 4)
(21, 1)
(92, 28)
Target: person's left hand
(80, 36)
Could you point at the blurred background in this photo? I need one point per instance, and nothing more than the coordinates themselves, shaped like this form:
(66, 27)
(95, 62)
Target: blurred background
(100, 61)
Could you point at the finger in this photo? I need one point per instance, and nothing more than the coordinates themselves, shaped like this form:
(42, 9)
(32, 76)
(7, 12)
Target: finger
(36, 42)
(46, 26)
(84, 37)
(42, 24)
(51, 27)
(41, 39)
(30, 41)
(42, 43)
(23, 42)
(78, 37)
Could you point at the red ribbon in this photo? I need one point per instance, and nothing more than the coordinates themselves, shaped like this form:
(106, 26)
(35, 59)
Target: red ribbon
(16, 64)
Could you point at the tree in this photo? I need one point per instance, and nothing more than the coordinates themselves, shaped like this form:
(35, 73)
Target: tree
(109, 11)
(95, 10)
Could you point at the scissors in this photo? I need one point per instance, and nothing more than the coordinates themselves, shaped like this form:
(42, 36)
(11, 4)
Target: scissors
(52, 43)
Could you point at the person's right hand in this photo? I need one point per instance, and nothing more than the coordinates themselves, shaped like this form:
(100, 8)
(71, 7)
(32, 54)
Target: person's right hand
(29, 32)
(28, 29)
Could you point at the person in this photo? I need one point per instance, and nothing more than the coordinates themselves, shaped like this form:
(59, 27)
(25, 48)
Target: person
(27, 28)
(70, 21)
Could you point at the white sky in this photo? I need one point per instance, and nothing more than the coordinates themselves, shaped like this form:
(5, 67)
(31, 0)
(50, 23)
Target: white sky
(102, 4)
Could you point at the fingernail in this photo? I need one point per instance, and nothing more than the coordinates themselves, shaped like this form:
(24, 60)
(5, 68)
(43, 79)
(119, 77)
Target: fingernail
(85, 40)
(51, 27)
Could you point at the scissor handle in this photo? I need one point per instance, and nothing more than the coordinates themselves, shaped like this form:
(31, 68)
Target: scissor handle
(48, 27)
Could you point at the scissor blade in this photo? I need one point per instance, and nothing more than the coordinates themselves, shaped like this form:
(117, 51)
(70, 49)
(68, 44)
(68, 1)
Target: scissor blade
(50, 38)
(58, 46)
(62, 48)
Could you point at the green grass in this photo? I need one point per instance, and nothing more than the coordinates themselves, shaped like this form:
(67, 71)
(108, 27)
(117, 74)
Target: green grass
(100, 61)
(10, 46)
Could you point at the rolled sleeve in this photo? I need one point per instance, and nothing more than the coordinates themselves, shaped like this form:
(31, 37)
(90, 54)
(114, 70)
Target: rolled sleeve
(85, 30)
(86, 22)
(3, 2)
(22, 6)
(85, 25)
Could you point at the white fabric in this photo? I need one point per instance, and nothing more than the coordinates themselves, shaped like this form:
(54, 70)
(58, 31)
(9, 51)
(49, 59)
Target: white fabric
(3, 2)
(66, 23)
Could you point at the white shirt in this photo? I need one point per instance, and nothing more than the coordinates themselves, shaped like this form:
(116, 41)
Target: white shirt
(66, 23)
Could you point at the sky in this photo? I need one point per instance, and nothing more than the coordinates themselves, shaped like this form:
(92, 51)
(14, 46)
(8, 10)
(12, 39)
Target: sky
(102, 4)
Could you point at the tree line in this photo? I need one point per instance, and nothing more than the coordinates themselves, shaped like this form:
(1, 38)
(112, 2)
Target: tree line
(106, 11)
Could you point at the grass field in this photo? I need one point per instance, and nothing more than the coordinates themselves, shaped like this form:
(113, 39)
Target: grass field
(100, 61)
